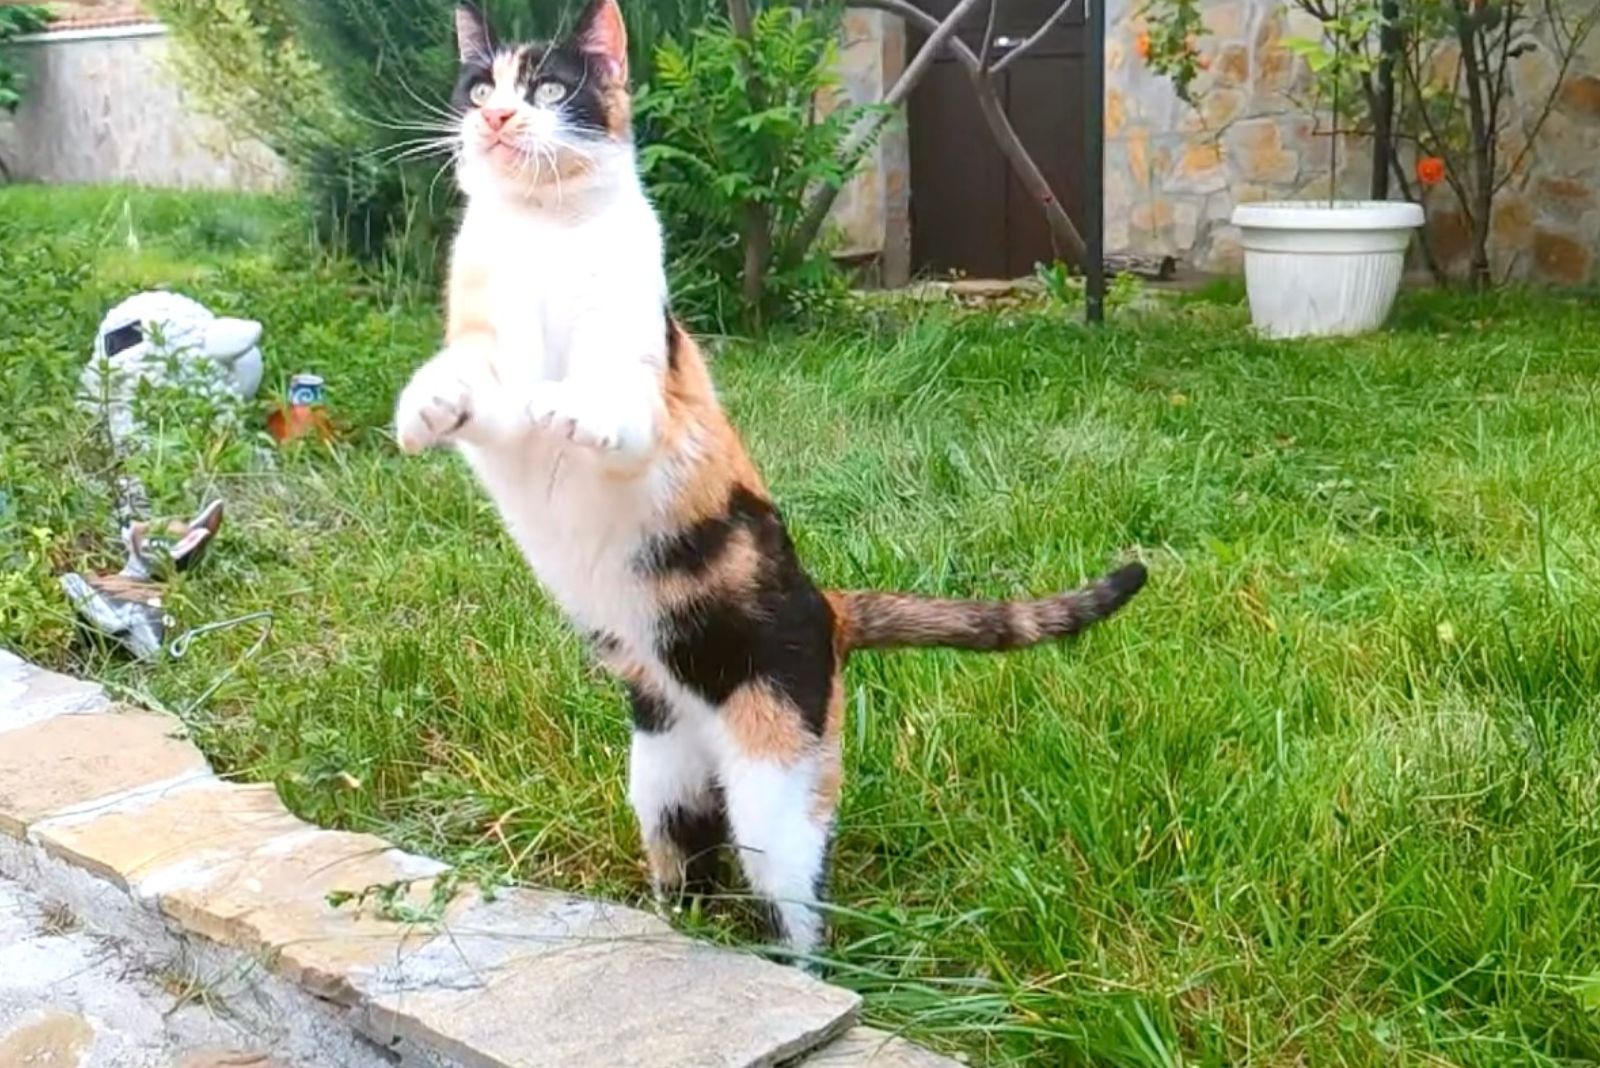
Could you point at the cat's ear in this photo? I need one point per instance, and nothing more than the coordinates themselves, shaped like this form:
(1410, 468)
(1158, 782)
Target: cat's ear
(601, 34)
(472, 36)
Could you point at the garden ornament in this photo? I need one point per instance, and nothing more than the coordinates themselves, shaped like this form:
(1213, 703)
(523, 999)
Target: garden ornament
(166, 338)
(126, 606)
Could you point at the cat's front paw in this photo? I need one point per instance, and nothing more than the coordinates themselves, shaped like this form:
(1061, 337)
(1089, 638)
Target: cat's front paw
(581, 416)
(434, 405)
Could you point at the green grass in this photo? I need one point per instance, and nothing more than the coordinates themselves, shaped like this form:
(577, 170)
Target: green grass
(1324, 794)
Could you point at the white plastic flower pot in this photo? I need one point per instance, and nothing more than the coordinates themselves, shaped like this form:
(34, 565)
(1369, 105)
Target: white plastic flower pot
(1324, 270)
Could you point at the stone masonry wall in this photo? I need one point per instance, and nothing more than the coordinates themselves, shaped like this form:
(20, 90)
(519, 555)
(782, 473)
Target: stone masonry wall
(1174, 172)
(101, 106)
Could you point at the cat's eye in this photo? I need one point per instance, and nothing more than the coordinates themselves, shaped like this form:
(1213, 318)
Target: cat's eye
(481, 93)
(549, 93)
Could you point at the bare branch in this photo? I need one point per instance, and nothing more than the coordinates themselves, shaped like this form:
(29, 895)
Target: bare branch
(1062, 231)
(930, 50)
(1049, 24)
(988, 35)
(865, 131)
(1568, 51)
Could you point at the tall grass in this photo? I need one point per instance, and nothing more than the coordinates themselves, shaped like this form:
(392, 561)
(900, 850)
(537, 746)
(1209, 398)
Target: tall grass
(1324, 794)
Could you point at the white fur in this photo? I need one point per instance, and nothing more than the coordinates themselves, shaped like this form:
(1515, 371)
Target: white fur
(566, 397)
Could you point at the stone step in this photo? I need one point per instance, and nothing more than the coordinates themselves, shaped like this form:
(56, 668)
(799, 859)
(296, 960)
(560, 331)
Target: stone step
(104, 795)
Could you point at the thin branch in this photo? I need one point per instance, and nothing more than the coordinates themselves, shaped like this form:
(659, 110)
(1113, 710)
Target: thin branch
(1568, 52)
(1049, 24)
(988, 35)
(1062, 231)
(868, 128)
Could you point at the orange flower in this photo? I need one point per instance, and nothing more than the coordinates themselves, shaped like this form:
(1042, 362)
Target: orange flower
(1430, 170)
(1141, 45)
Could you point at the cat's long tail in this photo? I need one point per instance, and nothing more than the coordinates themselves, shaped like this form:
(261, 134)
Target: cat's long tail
(872, 620)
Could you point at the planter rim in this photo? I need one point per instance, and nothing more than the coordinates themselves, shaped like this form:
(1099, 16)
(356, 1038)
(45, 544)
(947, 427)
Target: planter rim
(1320, 215)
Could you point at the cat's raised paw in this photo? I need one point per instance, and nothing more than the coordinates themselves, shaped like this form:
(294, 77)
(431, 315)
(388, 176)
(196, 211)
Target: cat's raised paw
(581, 418)
(432, 407)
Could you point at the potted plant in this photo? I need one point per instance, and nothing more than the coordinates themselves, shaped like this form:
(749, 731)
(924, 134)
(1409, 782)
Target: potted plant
(1314, 267)
(1328, 267)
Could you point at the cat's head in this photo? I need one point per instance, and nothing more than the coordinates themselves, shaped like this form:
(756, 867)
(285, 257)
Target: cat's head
(543, 113)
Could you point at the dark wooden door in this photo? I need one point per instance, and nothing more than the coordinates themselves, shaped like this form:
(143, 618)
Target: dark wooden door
(967, 211)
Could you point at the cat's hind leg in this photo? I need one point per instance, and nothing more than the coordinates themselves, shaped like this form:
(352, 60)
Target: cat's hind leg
(673, 789)
(781, 784)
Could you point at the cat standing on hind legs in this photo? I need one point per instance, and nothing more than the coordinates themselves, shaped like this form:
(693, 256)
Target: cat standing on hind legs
(589, 417)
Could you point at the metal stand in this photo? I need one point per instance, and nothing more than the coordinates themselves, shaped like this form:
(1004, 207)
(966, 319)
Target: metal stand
(1094, 149)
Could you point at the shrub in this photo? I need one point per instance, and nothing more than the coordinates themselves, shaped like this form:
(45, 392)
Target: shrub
(733, 123)
(350, 92)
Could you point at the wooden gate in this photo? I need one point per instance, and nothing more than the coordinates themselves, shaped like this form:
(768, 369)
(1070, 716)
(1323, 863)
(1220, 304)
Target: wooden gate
(968, 213)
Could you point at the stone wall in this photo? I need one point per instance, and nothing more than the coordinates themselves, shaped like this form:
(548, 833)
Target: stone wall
(101, 106)
(1174, 172)
(872, 215)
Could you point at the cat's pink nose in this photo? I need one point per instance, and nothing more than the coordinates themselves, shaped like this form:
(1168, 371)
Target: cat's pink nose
(497, 117)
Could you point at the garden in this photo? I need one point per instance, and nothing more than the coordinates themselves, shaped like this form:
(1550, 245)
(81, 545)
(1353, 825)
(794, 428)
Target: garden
(1327, 792)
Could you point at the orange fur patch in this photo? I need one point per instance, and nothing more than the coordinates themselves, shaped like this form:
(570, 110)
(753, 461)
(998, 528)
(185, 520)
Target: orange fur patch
(764, 725)
(830, 772)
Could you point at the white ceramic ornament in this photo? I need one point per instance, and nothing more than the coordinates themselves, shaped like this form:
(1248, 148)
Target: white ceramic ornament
(162, 338)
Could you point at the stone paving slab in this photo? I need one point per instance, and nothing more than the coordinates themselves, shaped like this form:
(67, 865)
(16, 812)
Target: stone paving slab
(72, 999)
(528, 978)
(868, 1047)
(667, 1003)
(28, 695)
(56, 765)
(190, 828)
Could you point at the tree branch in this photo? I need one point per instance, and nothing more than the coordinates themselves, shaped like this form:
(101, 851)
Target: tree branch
(1568, 51)
(867, 130)
(988, 35)
(1005, 135)
(1049, 24)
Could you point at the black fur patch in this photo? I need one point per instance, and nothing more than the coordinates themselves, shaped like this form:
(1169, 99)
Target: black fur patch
(651, 713)
(779, 632)
(603, 644)
(470, 76)
(583, 109)
(700, 837)
(693, 550)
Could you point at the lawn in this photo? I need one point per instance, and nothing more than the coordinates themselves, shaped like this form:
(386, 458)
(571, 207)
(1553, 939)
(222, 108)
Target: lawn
(1326, 793)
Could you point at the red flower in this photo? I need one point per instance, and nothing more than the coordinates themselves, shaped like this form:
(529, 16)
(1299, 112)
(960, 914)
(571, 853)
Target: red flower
(1141, 45)
(1430, 170)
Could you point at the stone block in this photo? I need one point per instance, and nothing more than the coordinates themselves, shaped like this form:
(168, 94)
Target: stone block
(1185, 225)
(1224, 254)
(1567, 191)
(1512, 222)
(867, 1047)
(1232, 65)
(1199, 169)
(273, 902)
(1276, 70)
(1220, 107)
(1116, 112)
(57, 1038)
(597, 1003)
(172, 839)
(29, 694)
(1559, 258)
(1580, 96)
(1451, 236)
(66, 762)
(1229, 20)
(1256, 152)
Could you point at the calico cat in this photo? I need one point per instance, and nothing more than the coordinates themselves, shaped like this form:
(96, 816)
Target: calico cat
(588, 415)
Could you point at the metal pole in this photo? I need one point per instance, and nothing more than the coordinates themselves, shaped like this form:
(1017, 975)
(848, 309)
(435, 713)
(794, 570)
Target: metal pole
(1094, 150)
